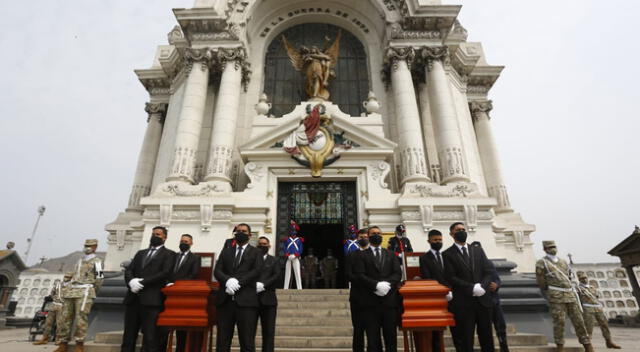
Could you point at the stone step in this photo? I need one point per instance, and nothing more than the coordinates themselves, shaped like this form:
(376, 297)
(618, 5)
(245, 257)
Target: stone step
(313, 298)
(315, 313)
(102, 347)
(288, 304)
(315, 291)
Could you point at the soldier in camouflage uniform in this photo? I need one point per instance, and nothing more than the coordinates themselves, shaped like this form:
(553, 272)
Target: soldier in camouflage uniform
(310, 267)
(86, 281)
(553, 277)
(55, 308)
(592, 310)
(329, 269)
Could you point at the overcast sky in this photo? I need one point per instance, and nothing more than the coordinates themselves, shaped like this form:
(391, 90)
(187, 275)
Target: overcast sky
(565, 115)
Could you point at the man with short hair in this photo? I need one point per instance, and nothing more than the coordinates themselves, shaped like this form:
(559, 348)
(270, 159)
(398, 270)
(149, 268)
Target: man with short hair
(187, 267)
(378, 272)
(356, 291)
(554, 279)
(146, 275)
(400, 243)
(432, 268)
(237, 270)
(468, 271)
(266, 289)
(78, 299)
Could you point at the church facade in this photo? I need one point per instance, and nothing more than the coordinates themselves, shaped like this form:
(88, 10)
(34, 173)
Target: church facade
(330, 113)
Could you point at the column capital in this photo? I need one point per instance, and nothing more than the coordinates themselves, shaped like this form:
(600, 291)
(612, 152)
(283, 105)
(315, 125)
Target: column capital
(429, 54)
(237, 55)
(158, 109)
(478, 107)
(393, 54)
(202, 55)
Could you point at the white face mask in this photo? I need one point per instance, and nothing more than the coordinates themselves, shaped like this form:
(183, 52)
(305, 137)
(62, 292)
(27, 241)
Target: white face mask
(88, 250)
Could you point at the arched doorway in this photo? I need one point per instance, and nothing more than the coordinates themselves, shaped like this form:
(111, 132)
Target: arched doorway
(285, 86)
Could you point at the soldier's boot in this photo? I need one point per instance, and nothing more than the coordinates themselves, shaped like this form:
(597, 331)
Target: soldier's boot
(43, 341)
(612, 345)
(588, 347)
(559, 347)
(79, 346)
(62, 347)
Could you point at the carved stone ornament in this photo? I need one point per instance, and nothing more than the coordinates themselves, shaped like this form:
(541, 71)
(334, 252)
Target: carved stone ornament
(411, 215)
(395, 54)
(471, 217)
(222, 215)
(202, 55)
(480, 107)
(448, 216)
(185, 190)
(397, 32)
(379, 171)
(447, 191)
(238, 56)
(185, 215)
(156, 110)
(165, 214)
(371, 105)
(206, 215)
(175, 36)
(427, 217)
(255, 173)
(432, 53)
(120, 235)
(518, 240)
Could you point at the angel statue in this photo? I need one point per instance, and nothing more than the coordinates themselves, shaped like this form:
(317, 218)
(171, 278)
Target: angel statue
(317, 65)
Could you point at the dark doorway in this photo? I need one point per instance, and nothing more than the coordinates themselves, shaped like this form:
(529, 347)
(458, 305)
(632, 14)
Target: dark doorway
(323, 210)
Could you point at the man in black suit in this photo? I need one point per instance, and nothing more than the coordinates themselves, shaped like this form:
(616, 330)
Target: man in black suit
(432, 268)
(355, 293)
(378, 272)
(237, 271)
(187, 267)
(469, 272)
(146, 275)
(266, 289)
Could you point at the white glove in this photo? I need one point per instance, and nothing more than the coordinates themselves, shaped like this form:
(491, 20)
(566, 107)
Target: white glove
(229, 291)
(135, 285)
(169, 284)
(292, 257)
(259, 287)
(233, 284)
(382, 288)
(449, 296)
(478, 290)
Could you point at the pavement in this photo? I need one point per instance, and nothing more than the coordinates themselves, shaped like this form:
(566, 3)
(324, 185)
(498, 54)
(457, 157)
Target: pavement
(16, 340)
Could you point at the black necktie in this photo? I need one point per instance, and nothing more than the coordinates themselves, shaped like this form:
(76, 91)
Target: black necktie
(439, 259)
(236, 261)
(147, 259)
(179, 262)
(378, 256)
(465, 255)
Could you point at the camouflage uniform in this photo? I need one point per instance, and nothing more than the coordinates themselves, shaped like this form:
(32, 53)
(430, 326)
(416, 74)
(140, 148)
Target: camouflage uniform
(592, 310)
(78, 300)
(553, 279)
(54, 310)
(310, 264)
(329, 268)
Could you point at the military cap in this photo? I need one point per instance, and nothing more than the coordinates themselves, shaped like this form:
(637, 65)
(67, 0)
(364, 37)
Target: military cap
(547, 244)
(91, 242)
(582, 275)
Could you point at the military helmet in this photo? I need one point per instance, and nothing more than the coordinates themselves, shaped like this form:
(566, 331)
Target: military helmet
(547, 244)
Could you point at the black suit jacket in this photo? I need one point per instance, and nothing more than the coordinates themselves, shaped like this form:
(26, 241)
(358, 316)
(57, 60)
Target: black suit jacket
(155, 275)
(394, 244)
(357, 290)
(246, 273)
(188, 270)
(431, 270)
(367, 274)
(463, 276)
(269, 276)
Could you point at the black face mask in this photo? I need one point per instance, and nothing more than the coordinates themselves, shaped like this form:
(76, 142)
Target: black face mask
(184, 247)
(375, 240)
(241, 237)
(155, 241)
(460, 236)
(363, 242)
(264, 249)
(436, 246)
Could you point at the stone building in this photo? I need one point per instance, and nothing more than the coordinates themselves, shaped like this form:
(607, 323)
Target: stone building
(408, 117)
(34, 285)
(10, 267)
(614, 286)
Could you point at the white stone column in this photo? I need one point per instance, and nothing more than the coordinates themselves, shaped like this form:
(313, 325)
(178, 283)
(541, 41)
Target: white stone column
(489, 154)
(452, 164)
(191, 115)
(226, 115)
(413, 165)
(429, 135)
(148, 154)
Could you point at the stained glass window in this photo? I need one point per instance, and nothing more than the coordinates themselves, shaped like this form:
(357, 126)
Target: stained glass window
(285, 86)
(317, 203)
